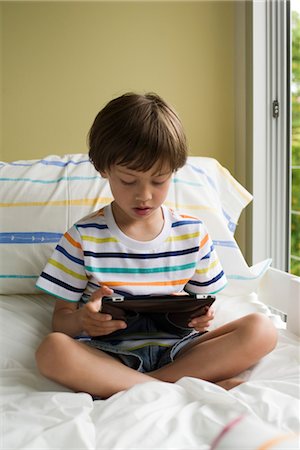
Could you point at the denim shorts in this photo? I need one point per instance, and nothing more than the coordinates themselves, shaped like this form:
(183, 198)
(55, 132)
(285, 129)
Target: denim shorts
(148, 343)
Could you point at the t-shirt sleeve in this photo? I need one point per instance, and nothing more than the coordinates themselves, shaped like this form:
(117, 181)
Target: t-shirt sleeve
(64, 275)
(209, 277)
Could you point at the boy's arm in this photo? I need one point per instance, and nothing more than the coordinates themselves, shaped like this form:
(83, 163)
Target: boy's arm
(71, 320)
(66, 318)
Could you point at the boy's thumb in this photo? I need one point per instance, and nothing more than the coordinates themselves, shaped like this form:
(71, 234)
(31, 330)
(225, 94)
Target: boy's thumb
(95, 304)
(95, 301)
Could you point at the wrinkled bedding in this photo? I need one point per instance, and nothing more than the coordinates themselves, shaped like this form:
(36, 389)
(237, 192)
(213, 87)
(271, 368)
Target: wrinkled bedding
(39, 414)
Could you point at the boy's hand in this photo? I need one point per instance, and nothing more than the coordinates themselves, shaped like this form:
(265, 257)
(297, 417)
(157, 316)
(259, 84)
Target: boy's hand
(93, 321)
(202, 323)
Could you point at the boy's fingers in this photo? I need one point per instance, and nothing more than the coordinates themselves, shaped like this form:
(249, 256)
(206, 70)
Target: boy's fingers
(104, 290)
(94, 305)
(95, 299)
(104, 317)
(202, 320)
(107, 327)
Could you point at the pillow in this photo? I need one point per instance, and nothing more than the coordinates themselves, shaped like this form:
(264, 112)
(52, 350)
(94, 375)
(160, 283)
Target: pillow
(41, 199)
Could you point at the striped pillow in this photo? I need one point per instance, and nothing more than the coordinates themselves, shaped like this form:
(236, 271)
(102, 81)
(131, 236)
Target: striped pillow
(41, 199)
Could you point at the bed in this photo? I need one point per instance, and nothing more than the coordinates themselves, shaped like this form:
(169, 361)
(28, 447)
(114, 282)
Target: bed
(40, 199)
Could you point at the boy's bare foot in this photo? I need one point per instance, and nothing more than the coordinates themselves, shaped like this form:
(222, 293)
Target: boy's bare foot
(230, 383)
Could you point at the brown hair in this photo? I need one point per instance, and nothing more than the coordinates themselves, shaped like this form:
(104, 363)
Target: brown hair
(137, 131)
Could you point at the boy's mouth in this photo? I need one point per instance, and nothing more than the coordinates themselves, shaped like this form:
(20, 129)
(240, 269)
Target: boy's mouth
(142, 211)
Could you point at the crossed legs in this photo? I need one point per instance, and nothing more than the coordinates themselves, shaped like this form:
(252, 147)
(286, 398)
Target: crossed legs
(224, 353)
(216, 356)
(83, 368)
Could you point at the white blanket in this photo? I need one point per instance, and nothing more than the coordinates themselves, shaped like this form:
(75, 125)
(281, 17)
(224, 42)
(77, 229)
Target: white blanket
(39, 414)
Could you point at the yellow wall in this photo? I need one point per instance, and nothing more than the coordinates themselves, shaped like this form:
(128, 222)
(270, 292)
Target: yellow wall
(62, 61)
(1, 84)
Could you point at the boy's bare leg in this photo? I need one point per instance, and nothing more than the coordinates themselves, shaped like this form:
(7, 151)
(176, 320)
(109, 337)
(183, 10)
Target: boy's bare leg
(84, 369)
(224, 353)
(217, 356)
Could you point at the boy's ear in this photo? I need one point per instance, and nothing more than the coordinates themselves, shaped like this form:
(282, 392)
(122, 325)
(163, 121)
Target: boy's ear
(103, 173)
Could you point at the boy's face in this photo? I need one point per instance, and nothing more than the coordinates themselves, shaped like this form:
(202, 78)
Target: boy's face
(138, 195)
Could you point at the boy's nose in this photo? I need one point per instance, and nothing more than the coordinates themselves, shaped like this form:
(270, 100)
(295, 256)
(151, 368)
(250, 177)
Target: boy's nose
(143, 195)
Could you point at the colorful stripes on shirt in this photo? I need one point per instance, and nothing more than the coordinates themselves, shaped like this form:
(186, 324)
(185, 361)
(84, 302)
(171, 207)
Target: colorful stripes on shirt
(90, 254)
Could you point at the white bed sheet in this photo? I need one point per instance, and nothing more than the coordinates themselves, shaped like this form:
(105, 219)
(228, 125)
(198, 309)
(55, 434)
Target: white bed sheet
(40, 414)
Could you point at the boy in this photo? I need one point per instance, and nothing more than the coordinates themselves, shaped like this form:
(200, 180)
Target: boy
(134, 246)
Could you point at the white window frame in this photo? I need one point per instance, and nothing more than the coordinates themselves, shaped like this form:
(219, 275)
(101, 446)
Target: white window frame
(268, 138)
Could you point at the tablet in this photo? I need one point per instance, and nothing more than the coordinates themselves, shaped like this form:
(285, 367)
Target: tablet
(179, 309)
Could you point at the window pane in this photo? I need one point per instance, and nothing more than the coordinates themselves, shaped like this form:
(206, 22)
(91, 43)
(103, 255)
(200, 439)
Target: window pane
(295, 167)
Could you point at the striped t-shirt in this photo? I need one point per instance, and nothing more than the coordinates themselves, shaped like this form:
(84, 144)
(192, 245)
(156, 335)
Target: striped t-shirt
(95, 252)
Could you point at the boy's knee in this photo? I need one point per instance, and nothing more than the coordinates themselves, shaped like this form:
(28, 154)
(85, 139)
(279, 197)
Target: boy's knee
(48, 353)
(262, 330)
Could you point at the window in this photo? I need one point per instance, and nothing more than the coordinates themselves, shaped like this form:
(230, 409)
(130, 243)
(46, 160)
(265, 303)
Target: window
(273, 106)
(268, 130)
(295, 139)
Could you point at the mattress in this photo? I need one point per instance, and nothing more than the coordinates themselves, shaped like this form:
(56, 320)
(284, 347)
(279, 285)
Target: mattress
(190, 414)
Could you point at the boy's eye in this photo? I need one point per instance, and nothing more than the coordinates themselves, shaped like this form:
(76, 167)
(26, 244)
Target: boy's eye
(158, 182)
(127, 183)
